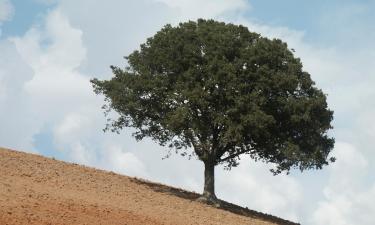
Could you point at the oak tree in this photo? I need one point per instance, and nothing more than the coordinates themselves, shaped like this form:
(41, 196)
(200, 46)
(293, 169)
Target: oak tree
(223, 92)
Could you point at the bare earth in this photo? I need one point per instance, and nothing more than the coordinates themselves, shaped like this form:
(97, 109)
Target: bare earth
(35, 190)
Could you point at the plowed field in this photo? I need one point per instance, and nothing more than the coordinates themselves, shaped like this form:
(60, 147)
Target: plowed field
(35, 190)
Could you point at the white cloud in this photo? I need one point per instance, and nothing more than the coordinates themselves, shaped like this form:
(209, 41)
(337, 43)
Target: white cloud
(17, 122)
(55, 49)
(6, 10)
(40, 80)
(54, 54)
(278, 195)
(366, 121)
(72, 126)
(349, 169)
(80, 154)
(3, 90)
(347, 199)
(123, 162)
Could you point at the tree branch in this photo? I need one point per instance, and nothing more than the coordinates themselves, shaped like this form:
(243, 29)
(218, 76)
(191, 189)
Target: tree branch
(234, 155)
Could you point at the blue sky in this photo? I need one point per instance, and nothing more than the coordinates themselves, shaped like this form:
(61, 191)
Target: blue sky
(27, 13)
(50, 49)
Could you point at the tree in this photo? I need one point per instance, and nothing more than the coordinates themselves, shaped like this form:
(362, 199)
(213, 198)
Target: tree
(224, 92)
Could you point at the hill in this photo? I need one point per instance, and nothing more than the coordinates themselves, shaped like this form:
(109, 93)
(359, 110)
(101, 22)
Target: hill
(36, 190)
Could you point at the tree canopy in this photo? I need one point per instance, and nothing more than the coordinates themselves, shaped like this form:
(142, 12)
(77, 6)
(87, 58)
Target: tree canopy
(224, 92)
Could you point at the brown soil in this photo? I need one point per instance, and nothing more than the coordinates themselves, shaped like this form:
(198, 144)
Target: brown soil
(36, 190)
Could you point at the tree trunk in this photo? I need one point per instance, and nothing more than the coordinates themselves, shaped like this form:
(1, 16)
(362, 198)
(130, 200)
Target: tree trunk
(209, 182)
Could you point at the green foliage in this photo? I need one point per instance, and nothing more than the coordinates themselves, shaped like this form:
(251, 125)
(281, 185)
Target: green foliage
(224, 91)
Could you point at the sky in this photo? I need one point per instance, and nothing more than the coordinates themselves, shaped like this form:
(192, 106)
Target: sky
(50, 49)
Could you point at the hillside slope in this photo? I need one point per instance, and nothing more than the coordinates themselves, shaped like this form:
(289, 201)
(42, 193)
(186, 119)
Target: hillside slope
(36, 190)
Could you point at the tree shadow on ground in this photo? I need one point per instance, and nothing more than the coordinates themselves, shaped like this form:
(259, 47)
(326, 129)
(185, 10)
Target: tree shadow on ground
(223, 204)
